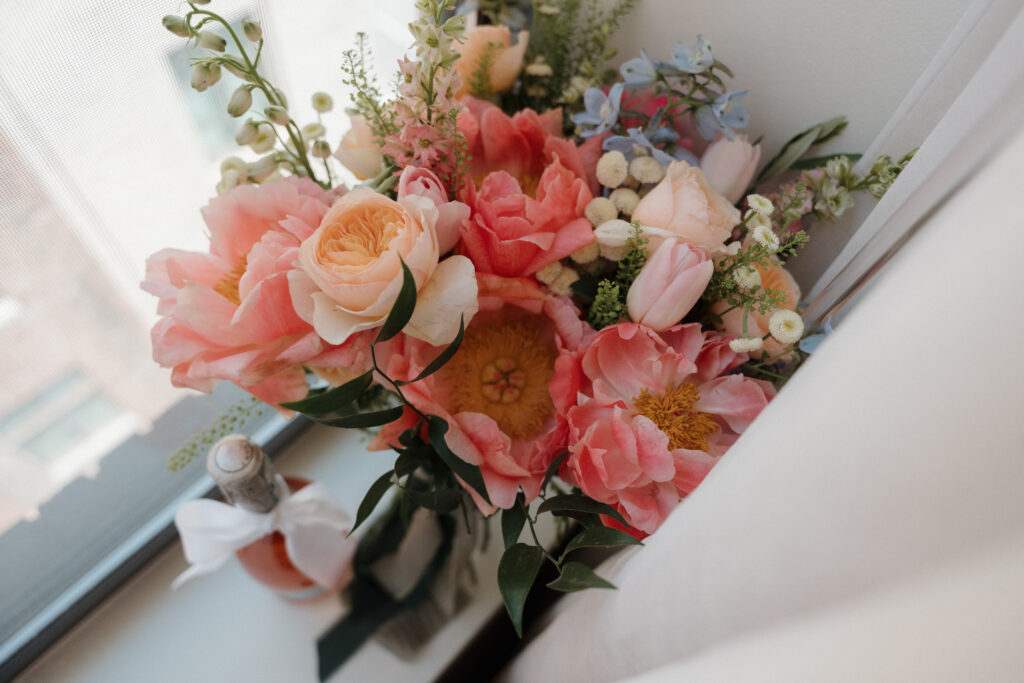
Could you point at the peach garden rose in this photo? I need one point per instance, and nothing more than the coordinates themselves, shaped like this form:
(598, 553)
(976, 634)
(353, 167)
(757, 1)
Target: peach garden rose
(351, 274)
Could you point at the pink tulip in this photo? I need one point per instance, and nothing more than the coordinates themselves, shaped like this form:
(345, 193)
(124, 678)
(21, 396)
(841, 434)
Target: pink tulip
(729, 166)
(669, 284)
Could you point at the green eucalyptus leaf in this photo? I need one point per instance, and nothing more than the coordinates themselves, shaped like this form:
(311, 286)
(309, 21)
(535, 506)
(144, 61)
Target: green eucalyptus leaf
(553, 468)
(363, 420)
(436, 429)
(401, 312)
(789, 154)
(333, 400)
(372, 497)
(442, 357)
(517, 571)
(818, 162)
(512, 522)
(576, 577)
(575, 502)
(600, 537)
(406, 463)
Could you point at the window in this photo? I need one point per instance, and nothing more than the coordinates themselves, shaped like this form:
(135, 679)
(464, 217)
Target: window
(106, 156)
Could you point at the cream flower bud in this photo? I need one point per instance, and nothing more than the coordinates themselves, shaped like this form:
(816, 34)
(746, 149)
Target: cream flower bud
(263, 168)
(766, 237)
(312, 131)
(205, 74)
(252, 30)
(611, 239)
(612, 169)
(539, 69)
(600, 210)
(586, 254)
(547, 10)
(646, 170)
(550, 272)
(264, 140)
(625, 200)
(758, 220)
(276, 114)
(786, 326)
(322, 102)
(240, 102)
(211, 41)
(729, 166)
(177, 25)
(233, 164)
(321, 149)
(760, 204)
(247, 133)
(746, 344)
(563, 283)
(746, 277)
(229, 181)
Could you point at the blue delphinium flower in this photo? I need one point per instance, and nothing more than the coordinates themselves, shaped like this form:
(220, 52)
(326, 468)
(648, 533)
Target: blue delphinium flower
(696, 61)
(810, 344)
(602, 110)
(722, 115)
(636, 142)
(639, 72)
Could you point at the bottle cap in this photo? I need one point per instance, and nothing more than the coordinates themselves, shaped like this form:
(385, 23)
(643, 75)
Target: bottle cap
(245, 476)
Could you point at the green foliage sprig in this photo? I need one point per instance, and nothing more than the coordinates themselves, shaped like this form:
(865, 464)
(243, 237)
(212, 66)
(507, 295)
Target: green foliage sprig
(231, 420)
(609, 305)
(367, 99)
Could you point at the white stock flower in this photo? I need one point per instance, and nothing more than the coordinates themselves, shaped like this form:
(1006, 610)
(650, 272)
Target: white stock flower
(786, 326)
(746, 344)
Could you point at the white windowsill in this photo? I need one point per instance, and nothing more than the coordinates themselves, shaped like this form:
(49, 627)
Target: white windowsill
(226, 627)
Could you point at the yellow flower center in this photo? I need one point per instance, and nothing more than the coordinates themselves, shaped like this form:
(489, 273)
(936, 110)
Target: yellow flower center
(503, 370)
(360, 237)
(673, 413)
(227, 287)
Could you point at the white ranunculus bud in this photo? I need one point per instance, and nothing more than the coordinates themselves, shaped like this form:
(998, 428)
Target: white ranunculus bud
(550, 272)
(312, 131)
(760, 204)
(585, 254)
(786, 326)
(647, 170)
(252, 30)
(612, 169)
(766, 237)
(746, 344)
(276, 114)
(322, 102)
(600, 210)
(625, 200)
(240, 102)
(247, 133)
(563, 283)
(264, 140)
(211, 41)
(321, 149)
(746, 277)
(177, 25)
(263, 168)
(233, 164)
(205, 74)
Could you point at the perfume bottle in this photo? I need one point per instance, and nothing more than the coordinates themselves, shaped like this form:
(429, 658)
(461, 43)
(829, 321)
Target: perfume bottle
(246, 478)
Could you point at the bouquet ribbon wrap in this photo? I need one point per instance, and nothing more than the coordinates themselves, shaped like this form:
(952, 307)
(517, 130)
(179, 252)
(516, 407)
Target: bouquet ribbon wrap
(313, 524)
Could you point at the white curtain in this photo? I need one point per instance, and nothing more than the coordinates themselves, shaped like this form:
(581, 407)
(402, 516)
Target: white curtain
(869, 525)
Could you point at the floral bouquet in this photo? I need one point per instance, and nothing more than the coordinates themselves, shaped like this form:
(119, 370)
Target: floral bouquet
(554, 292)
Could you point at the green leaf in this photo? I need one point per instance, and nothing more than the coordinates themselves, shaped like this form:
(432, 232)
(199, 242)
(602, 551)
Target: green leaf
(818, 162)
(517, 571)
(436, 429)
(577, 577)
(798, 146)
(600, 537)
(401, 312)
(553, 468)
(442, 357)
(512, 522)
(363, 420)
(831, 129)
(372, 497)
(406, 463)
(332, 400)
(575, 502)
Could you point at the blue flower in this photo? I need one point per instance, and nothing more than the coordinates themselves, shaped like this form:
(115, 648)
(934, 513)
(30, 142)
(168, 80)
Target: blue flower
(810, 344)
(602, 110)
(722, 115)
(696, 61)
(639, 72)
(637, 142)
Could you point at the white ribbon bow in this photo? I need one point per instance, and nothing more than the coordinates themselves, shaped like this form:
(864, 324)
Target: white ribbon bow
(313, 525)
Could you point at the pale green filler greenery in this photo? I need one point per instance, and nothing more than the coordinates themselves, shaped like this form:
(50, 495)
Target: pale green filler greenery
(230, 421)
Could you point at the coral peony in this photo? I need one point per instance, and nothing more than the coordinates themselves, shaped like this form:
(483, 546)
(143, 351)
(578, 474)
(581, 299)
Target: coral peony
(490, 48)
(351, 269)
(495, 393)
(227, 313)
(529, 190)
(653, 413)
